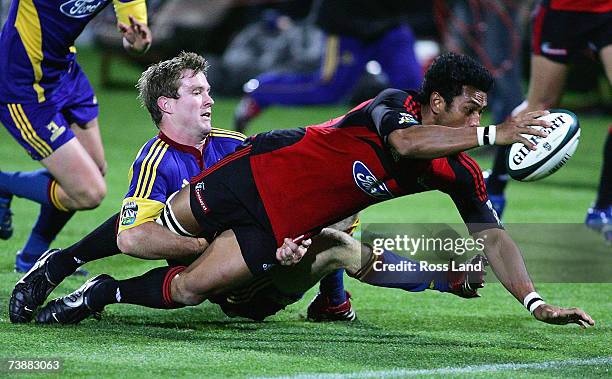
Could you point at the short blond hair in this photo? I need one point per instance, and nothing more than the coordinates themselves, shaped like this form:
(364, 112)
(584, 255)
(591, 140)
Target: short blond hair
(164, 79)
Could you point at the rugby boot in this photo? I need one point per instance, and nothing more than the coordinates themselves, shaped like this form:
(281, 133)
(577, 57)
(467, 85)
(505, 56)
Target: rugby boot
(466, 283)
(321, 309)
(31, 290)
(73, 308)
(597, 218)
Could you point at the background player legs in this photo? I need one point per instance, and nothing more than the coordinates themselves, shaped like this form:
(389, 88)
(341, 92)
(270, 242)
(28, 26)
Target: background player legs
(603, 203)
(545, 89)
(342, 62)
(397, 58)
(51, 220)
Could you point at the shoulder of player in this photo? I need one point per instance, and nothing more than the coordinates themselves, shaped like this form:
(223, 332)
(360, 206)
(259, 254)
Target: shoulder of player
(405, 99)
(222, 134)
(153, 156)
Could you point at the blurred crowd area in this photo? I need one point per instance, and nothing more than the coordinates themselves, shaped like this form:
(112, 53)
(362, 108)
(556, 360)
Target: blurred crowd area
(244, 38)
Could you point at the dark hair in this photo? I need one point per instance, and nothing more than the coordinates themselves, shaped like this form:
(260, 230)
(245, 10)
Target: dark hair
(449, 73)
(164, 79)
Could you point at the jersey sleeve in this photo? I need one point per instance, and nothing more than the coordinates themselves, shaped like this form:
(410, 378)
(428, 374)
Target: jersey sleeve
(149, 185)
(469, 194)
(394, 109)
(135, 8)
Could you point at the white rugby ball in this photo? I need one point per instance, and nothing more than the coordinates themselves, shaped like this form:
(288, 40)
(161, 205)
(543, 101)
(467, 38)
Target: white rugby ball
(552, 152)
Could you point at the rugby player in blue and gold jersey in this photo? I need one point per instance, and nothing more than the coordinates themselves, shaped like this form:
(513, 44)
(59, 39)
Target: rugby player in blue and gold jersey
(177, 95)
(46, 101)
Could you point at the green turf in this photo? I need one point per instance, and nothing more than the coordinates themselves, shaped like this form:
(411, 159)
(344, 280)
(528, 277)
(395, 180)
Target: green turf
(396, 330)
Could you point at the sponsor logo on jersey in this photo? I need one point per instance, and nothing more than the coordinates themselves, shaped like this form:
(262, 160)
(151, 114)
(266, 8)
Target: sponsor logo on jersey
(199, 188)
(81, 8)
(368, 183)
(406, 118)
(128, 213)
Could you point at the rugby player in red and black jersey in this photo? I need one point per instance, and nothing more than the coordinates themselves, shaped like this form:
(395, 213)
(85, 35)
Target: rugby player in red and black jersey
(397, 144)
(563, 30)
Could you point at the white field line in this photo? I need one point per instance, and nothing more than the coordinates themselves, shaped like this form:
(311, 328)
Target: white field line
(453, 370)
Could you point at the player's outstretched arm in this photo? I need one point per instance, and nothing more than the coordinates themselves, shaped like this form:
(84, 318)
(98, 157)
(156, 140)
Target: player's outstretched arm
(507, 262)
(435, 141)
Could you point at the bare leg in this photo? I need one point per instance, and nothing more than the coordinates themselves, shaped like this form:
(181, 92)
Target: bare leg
(219, 269)
(81, 183)
(545, 83)
(89, 137)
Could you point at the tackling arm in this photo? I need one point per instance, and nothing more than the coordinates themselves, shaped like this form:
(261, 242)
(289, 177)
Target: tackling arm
(507, 262)
(150, 240)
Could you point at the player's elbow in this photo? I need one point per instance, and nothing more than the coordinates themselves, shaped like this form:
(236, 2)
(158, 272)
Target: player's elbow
(129, 240)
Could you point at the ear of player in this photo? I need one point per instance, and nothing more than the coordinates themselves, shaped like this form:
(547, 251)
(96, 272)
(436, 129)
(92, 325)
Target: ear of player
(552, 152)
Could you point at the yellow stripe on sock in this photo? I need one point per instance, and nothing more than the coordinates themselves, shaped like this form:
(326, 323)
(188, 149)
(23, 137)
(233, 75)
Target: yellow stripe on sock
(55, 198)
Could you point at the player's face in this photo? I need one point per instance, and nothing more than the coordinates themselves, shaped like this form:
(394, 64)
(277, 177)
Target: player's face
(193, 108)
(465, 108)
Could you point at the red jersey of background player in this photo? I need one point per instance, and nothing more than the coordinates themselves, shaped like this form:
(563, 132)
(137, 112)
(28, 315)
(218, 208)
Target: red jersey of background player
(593, 6)
(311, 177)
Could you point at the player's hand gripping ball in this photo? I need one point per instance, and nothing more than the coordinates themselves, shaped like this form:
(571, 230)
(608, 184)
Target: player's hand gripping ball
(552, 151)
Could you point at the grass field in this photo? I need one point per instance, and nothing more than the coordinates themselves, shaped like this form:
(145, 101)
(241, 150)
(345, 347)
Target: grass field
(398, 334)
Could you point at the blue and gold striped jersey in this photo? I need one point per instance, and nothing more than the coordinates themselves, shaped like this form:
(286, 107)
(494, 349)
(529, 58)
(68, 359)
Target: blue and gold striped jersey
(163, 167)
(36, 43)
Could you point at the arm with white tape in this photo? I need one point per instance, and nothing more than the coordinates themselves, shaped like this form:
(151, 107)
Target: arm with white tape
(507, 262)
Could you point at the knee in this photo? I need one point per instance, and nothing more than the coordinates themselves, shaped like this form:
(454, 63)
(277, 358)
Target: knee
(90, 195)
(344, 249)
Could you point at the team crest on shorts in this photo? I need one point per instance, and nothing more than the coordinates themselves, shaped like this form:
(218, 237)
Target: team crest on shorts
(128, 213)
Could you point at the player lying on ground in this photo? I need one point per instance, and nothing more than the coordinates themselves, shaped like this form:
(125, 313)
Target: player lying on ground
(396, 144)
(176, 94)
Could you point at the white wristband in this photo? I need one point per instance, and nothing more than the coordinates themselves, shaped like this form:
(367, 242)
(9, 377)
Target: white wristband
(480, 135)
(532, 301)
(492, 134)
